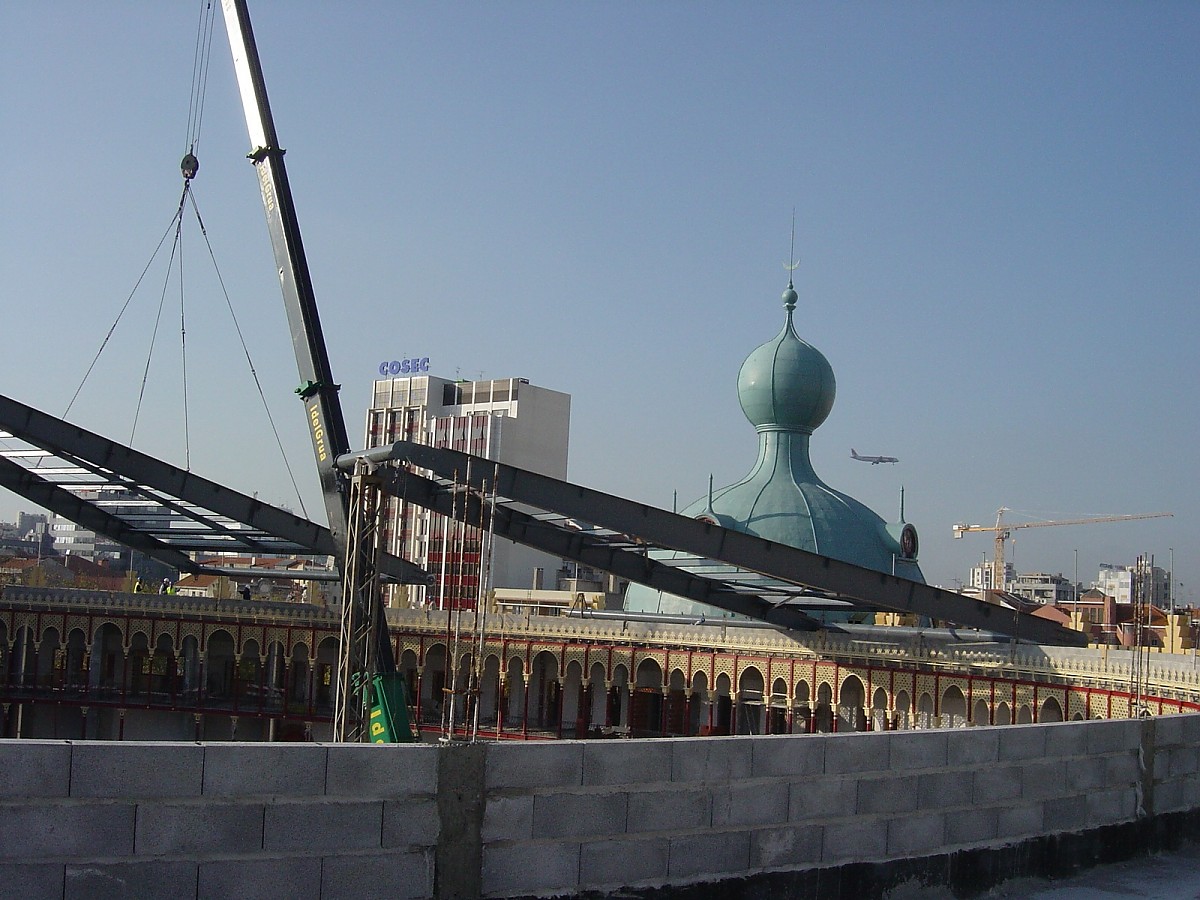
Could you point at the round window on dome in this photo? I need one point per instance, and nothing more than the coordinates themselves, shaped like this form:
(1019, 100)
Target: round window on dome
(908, 542)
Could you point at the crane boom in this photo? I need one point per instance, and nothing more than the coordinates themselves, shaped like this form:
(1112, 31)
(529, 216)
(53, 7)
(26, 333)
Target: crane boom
(1004, 529)
(367, 664)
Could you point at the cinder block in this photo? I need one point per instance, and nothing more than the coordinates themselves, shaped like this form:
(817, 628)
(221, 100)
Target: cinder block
(862, 840)
(546, 764)
(972, 747)
(911, 751)
(751, 803)
(1066, 739)
(1021, 742)
(857, 753)
(182, 828)
(675, 810)
(1113, 735)
(1181, 761)
(1085, 775)
(1121, 769)
(996, 784)
(887, 795)
(264, 770)
(786, 847)
(39, 829)
(1168, 797)
(130, 880)
(294, 877)
(1066, 814)
(393, 875)
(592, 815)
(31, 879)
(701, 854)
(507, 819)
(387, 771)
(944, 790)
(1189, 727)
(626, 762)
(704, 760)
(1020, 820)
(622, 863)
(34, 769)
(134, 770)
(792, 755)
(538, 868)
(1168, 731)
(410, 823)
(1113, 806)
(971, 826)
(326, 825)
(916, 835)
(1043, 779)
(827, 797)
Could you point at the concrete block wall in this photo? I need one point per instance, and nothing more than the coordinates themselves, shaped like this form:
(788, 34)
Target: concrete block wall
(106, 819)
(120, 819)
(602, 815)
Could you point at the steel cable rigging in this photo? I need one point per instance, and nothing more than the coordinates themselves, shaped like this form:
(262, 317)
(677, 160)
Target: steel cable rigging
(189, 167)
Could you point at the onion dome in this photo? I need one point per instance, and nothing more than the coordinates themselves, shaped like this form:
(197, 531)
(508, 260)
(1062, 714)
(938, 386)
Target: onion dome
(786, 383)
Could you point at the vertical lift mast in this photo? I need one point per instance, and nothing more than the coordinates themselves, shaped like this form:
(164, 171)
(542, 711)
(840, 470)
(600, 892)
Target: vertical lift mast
(367, 678)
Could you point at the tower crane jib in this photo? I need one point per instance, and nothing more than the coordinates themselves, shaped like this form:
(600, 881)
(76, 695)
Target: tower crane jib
(1003, 530)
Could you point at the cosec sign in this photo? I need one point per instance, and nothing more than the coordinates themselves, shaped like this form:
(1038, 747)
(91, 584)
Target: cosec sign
(404, 366)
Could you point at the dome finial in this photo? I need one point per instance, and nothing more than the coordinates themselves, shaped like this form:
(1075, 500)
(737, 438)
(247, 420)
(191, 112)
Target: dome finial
(789, 296)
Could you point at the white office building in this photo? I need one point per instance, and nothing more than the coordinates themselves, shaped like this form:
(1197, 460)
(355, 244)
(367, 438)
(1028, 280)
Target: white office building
(507, 420)
(1119, 582)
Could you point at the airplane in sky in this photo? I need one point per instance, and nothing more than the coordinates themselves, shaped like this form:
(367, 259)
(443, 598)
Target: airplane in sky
(873, 460)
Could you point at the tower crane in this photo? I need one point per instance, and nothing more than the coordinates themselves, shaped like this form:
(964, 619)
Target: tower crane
(1004, 530)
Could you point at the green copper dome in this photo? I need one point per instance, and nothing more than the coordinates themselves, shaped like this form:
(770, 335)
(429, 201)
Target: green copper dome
(787, 382)
(786, 388)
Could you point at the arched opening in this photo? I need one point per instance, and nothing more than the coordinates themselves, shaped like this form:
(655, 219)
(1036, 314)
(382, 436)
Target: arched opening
(50, 660)
(925, 711)
(597, 699)
(513, 702)
(618, 698)
(954, 708)
(574, 721)
(76, 664)
(980, 715)
(1003, 714)
(699, 715)
(325, 688)
(723, 712)
(823, 714)
(675, 715)
(852, 715)
(1024, 715)
(489, 691)
(1051, 711)
(646, 708)
(879, 712)
(802, 714)
(779, 708)
(545, 693)
(139, 668)
(750, 715)
(108, 660)
(433, 685)
(902, 717)
(218, 667)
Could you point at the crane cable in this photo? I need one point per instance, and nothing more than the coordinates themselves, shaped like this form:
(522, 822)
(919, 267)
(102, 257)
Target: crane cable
(189, 167)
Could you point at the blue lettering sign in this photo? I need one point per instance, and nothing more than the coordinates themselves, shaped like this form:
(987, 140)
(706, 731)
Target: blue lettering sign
(410, 366)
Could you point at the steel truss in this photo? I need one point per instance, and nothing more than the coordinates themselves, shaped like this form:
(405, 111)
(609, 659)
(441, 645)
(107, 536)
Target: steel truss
(731, 570)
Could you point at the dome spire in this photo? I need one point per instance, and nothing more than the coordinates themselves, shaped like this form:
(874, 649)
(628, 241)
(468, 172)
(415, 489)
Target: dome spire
(789, 296)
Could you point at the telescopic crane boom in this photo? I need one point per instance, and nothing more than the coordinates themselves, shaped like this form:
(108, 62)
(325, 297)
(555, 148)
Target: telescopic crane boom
(371, 658)
(1004, 530)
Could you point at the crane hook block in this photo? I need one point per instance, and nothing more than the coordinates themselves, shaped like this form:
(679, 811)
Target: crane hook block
(190, 166)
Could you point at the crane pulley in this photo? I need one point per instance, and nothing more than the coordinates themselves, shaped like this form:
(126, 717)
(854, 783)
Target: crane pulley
(1004, 530)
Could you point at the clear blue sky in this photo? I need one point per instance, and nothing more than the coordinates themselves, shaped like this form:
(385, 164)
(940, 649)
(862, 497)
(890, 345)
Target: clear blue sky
(996, 212)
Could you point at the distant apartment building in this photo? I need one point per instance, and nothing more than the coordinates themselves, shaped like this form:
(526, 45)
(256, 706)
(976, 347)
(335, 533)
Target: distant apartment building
(1125, 584)
(983, 576)
(1039, 587)
(507, 420)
